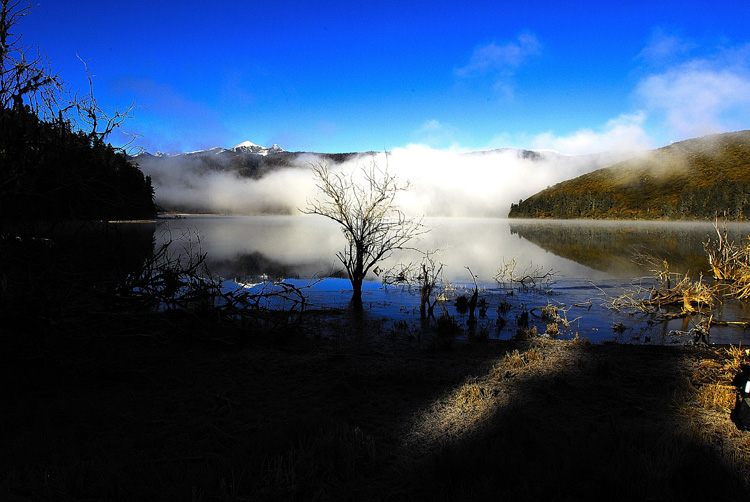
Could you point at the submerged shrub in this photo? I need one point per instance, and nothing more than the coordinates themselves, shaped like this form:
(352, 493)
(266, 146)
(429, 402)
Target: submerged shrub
(447, 329)
(462, 304)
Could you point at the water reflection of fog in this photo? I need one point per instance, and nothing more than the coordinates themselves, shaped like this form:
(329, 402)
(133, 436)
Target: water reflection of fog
(305, 246)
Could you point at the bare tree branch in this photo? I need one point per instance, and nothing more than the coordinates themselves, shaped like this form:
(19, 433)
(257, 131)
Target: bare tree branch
(27, 80)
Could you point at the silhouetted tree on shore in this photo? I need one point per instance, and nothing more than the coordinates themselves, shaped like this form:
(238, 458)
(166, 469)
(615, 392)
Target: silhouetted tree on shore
(372, 224)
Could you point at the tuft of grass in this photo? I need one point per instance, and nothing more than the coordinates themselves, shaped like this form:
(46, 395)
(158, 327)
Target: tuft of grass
(736, 357)
(534, 355)
(482, 334)
(716, 396)
(526, 333)
(580, 340)
(462, 304)
(473, 393)
(514, 360)
(553, 330)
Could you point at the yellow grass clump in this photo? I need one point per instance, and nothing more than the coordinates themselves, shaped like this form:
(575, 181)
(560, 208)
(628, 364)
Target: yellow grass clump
(472, 394)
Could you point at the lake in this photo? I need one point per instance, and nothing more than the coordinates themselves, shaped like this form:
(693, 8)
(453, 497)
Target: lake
(588, 262)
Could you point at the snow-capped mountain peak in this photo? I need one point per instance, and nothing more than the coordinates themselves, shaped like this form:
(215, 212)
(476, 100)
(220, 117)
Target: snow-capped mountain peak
(247, 144)
(250, 147)
(244, 147)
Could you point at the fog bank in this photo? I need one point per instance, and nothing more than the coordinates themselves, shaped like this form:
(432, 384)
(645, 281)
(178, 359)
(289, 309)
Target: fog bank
(443, 183)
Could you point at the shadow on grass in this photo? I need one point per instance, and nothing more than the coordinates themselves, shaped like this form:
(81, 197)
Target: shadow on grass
(602, 427)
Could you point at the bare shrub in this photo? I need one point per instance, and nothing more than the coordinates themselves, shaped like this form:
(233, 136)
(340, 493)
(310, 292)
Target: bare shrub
(176, 277)
(730, 262)
(427, 276)
(530, 278)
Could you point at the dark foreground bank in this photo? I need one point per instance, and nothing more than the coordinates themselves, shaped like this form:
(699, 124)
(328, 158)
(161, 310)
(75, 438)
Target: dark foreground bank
(171, 407)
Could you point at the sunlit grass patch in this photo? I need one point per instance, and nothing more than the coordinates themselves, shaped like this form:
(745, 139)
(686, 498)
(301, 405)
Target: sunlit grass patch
(711, 385)
(706, 401)
(716, 396)
(517, 360)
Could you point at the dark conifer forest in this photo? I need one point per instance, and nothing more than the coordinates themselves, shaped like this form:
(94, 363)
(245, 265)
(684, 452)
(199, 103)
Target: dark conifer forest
(52, 172)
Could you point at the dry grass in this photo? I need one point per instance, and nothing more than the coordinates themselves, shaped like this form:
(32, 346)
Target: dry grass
(517, 360)
(716, 396)
(553, 330)
(705, 403)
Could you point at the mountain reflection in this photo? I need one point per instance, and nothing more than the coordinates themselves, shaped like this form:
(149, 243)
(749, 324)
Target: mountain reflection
(624, 248)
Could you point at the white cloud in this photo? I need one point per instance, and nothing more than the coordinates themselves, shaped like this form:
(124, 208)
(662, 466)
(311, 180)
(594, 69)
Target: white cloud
(436, 134)
(662, 48)
(698, 98)
(493, 58)
(624, 133)
(443, 182)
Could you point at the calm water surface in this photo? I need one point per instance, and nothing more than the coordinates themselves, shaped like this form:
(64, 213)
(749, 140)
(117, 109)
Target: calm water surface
(589, 262)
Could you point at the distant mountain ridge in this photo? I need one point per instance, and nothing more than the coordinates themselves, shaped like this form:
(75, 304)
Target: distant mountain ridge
(246, 159)
(692, 179)
(246, 147)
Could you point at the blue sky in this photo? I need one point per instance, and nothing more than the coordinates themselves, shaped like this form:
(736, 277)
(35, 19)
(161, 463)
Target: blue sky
(578, 77)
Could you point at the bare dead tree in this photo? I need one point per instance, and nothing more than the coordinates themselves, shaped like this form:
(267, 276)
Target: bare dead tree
(91, 117)
(27, 80)
(25, 74)
(370, 221)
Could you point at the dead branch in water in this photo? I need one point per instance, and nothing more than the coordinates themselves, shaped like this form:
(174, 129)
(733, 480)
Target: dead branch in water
(530, 278)
(179, 280)
(427, 276)
(556, 314)
(730, 266)
(671, 290)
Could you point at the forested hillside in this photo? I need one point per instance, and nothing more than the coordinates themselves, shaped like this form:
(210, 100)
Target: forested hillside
(51, 172)
(693, 179)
